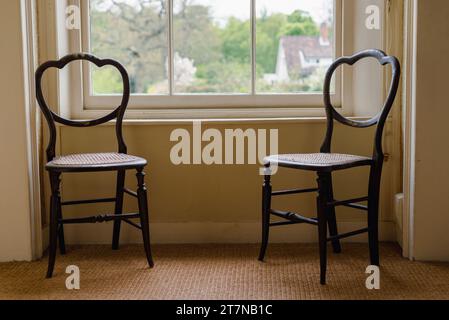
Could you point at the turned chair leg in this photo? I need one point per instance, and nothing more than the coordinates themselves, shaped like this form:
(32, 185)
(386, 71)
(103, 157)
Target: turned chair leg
(61, 239)
(54, 203)
(373, 216)
(322, 223)
(143, 210)
(331, 217)
(118, 208)
(266, 207)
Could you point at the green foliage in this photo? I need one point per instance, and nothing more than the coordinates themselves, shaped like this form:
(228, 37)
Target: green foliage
(236, 39)
(106, 80)
(219, 77)
(196, 37)
(300, 23)
(299, 29)
(268, 32)
(313, 83)
(300, 16)
(136, 38)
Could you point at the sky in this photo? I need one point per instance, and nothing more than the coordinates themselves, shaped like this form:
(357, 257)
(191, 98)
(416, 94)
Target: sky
(223, 9)
(240, 8)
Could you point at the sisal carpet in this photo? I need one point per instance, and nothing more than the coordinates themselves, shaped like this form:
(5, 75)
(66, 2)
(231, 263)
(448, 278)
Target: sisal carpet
(224, 272)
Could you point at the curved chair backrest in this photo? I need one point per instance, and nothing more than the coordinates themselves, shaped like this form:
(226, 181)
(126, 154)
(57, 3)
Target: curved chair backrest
(52, 117)
(380, 118)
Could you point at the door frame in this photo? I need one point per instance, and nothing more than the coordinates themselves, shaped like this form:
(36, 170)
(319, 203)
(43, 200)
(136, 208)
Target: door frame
(28, 13)
(409, 120)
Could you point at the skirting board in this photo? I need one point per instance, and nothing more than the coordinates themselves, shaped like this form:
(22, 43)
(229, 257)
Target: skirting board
(210, 232)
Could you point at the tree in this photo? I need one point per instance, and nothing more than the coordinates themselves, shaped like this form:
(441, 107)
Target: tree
(134, 35)
(222, 77)
(236, 37)
(268, 28)
(300, 23)
(185, 70)
(195, 34)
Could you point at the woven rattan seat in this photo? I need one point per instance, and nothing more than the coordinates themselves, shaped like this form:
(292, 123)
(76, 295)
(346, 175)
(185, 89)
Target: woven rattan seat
(95, 161)
(318, 161)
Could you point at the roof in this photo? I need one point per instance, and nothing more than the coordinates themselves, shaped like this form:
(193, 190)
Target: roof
(310, 47)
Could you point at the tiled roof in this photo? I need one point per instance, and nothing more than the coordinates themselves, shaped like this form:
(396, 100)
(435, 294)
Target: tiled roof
(310, 47)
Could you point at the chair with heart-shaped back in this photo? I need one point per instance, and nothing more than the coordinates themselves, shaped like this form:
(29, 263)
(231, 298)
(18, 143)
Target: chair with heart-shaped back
(118, 162)
(325, 162)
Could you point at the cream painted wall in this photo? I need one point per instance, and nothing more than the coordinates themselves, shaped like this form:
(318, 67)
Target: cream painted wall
(15, 229)
(431, 216)
(366, 71)
(200, 203)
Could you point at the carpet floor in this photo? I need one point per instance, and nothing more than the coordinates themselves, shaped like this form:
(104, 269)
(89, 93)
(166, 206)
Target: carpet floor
(224, 272)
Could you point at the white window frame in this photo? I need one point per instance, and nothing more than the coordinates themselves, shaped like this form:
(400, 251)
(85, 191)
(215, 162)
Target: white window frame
(83, 105)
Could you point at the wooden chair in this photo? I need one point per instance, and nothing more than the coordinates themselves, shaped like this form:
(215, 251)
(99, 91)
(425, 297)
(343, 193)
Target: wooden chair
(325, 162)
(94, 162)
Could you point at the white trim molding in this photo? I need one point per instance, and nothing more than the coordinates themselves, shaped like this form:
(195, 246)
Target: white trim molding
(409, 114)
(32, 124)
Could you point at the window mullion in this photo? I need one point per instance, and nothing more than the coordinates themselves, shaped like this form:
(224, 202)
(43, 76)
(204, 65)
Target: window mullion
(170, 62)
(253, 46)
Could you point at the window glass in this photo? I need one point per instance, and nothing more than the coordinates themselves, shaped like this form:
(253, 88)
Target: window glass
(212, 46)
(135, 33)
(294, 46)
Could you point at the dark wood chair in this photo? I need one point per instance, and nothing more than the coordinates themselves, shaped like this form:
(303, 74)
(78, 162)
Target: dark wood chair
(93, 162)
(325, 162)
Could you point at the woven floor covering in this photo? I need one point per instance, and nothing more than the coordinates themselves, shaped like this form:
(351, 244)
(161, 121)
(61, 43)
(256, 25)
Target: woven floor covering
(224, 272)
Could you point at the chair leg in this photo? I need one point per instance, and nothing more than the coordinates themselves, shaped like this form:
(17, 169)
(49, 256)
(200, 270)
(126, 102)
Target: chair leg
(61, 238)
(331, 218)
(55, 196)
(266, 207)
(322, 224)
(143, 210)
(118, 209)
(373, 216)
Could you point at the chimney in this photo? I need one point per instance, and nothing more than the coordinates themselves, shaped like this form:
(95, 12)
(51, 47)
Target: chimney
(324, 34)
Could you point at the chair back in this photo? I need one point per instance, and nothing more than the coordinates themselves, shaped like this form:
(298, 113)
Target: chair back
(53, 118)
(380, 118)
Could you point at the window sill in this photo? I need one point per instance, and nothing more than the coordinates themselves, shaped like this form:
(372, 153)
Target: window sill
(170, 122)
(222, 115)
(136, 117)
(136, 122)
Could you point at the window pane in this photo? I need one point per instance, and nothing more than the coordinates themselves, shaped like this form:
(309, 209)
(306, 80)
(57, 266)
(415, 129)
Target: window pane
(212, 46)
(134, 32)
(294, 46)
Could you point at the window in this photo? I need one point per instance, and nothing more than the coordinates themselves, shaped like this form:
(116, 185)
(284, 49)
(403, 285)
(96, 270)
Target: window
(211, 53)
